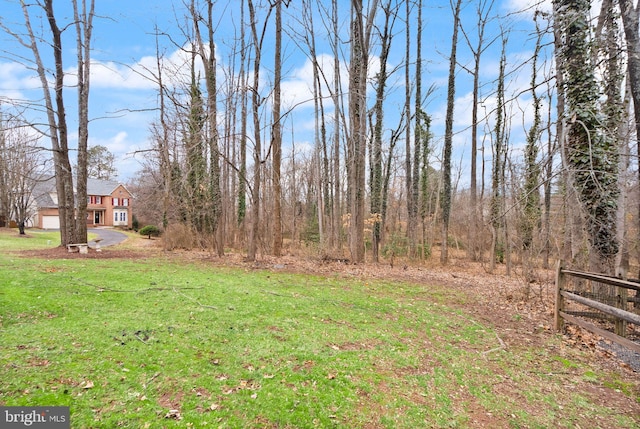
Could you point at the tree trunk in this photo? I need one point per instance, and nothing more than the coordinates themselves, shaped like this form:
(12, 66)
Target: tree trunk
(473, 248)
(357, 133)
(376, 153)
(5, 187)
(257, 150)
(448, 138)
(163, 143)
(498, 169)
(215, 207)
(56, 118)
(631, 23)
(548, 178)
(337, 191)
(418, 131)
(255, 105)
(276, 137)
(592, 157)
(530, 199)
(411, 204)
(84, 27)
(242, 174)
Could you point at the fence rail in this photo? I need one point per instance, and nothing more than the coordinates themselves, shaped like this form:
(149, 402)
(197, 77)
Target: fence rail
(619, 313)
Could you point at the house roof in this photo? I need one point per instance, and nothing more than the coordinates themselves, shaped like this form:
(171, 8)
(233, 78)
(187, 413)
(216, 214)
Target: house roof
(101, 187)
(43, 190)
(42, 193)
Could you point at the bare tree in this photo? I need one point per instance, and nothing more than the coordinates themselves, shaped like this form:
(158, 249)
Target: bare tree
(356, 157)
(22, 165)
(256, 101)
(72, 227)
(207, 54)
(331, 154)
(257, 168)
(242, 174)
(499, 150)
(356, 146)
(337, 100)
(5, 201)
(411, 203)
(320, 158)
(421, 140)
(375, 165)
(83, 18)
(448, 136)
(483, 10)
(162, 140)
(276, 135)
(530, 198)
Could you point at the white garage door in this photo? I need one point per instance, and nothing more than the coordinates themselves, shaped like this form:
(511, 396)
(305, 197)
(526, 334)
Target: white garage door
(50, 222)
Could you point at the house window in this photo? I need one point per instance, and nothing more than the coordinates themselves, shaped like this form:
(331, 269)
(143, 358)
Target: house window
(116, 201)
(98, 200)
(125, 202)
(119, 217)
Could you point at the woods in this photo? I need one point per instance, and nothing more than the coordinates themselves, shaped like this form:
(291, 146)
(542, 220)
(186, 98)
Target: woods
(308, 128)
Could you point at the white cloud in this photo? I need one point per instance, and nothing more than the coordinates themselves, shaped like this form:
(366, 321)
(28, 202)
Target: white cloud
(16, 80)
(297, 87)
(527, 7)
(118, 76)
(142, 74)
(123, 147)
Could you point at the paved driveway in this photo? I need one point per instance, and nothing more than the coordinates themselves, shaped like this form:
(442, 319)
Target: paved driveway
(109, 237)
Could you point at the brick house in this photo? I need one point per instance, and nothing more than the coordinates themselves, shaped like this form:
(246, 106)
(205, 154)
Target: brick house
(109, 203)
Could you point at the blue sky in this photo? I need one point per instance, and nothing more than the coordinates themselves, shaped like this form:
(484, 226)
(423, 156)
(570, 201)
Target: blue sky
(122, 101)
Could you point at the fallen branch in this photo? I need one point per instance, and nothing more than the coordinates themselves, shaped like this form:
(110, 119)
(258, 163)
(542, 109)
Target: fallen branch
(194, 300)
(277, 294)
(140, 339)
(502, 347)
(106, 289)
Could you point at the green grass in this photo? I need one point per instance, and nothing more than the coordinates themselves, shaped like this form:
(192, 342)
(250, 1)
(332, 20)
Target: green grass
(160, 342)
(33, 239)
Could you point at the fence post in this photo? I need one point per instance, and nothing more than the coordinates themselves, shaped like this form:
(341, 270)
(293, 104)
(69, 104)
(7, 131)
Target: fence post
(559, 305)
(621, 302)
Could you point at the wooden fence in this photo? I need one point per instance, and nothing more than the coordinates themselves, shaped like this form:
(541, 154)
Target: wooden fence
(618, 313)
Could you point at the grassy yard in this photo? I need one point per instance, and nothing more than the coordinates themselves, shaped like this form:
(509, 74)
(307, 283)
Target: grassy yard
(157, 341)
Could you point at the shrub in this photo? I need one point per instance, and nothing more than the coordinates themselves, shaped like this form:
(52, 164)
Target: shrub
(311, 231)
(396, 245)
(135, 224)
(179, 236)
(150, 230)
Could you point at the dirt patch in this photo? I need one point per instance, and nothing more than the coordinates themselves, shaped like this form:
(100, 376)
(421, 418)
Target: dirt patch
(171, 400)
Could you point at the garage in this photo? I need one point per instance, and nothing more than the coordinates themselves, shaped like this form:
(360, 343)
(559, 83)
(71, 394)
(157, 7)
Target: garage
(50, 222)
